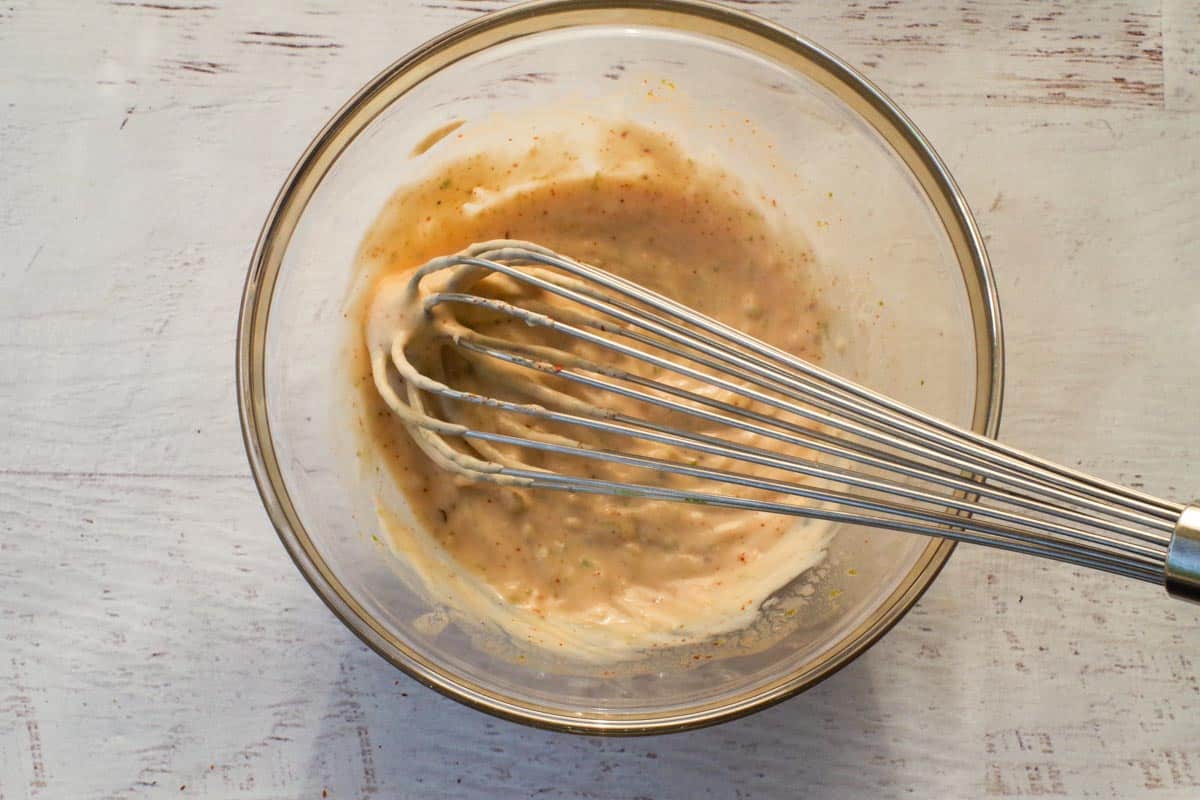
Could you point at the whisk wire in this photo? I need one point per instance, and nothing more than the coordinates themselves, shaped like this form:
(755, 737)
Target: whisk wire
(902, 428)
(716, 446)
(871, 432)
(1111, 491)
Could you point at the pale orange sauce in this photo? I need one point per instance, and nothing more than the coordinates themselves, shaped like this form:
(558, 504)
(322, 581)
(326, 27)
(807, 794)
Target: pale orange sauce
(628, 200)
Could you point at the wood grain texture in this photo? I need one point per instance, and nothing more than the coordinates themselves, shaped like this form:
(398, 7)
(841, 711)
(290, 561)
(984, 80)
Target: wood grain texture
(157, 641)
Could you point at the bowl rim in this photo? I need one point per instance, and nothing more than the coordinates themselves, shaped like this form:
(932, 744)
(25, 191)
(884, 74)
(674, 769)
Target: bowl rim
(505, 25)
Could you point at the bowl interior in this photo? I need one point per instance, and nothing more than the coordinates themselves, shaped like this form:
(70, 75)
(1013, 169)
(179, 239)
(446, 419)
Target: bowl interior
(911, 318)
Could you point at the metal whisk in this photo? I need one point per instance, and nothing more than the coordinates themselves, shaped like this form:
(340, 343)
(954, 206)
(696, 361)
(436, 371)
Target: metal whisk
(845, 453)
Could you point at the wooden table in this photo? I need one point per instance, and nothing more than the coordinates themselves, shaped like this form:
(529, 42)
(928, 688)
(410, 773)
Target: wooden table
(159, 643)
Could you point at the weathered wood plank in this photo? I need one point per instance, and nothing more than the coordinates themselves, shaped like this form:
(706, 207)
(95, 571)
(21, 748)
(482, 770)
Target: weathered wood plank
(1181, 54)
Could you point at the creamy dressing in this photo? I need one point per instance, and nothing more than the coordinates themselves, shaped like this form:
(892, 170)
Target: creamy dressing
(591, 574)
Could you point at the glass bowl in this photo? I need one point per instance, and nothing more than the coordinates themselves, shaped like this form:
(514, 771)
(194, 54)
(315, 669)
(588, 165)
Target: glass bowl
(917, 318)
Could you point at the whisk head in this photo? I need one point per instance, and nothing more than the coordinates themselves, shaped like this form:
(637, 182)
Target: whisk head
(634, 394)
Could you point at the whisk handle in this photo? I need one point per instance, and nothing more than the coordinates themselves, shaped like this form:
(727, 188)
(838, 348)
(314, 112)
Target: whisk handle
(1182, 572)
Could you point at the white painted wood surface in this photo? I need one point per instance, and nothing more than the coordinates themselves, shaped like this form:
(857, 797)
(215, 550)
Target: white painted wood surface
(158, 643)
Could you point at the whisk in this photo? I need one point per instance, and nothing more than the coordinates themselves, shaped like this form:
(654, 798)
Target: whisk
(845, 453)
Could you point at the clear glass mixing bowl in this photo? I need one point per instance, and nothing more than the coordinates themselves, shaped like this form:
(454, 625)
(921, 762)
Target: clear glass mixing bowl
(917, 318)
